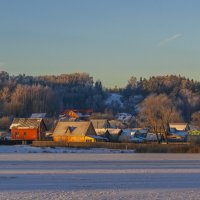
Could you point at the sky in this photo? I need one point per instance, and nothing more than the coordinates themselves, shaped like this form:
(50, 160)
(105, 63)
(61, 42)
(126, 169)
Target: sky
(111, 40)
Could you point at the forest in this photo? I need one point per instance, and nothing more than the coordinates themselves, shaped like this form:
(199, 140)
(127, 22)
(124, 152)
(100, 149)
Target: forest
(22, 95)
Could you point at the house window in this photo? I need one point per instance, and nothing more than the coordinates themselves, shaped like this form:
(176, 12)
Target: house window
(71, 128)
(16, 134)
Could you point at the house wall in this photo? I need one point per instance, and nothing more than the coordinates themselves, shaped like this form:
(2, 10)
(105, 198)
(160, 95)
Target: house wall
(78, 135)
(24, 134)
(69, 139)
(113, 138)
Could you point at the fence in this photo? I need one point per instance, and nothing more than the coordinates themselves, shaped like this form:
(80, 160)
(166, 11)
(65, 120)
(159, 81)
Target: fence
(175, 147)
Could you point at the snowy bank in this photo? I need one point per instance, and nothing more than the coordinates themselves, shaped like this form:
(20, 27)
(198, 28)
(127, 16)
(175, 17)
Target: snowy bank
(30, 149)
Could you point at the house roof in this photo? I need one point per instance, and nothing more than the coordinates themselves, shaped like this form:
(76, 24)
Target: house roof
(26, 123)
(100, 123)
(140, 130)
(78, 112)
(114, 131)
(75, 128)
(117, 124)
(101, 131)
(178, 126)
(38, 115)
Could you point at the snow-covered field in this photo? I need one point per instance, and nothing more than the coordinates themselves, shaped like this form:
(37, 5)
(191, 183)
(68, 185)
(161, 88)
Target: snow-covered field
(30, 149)
(89, 175)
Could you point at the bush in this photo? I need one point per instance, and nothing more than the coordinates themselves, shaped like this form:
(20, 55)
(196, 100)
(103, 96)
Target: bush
(194, 132)
(5, 123)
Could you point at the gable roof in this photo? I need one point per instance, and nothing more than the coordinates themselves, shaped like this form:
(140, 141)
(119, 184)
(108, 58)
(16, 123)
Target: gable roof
(114, 131)
(75, 128)
(26, 123)
(117, 124)
(179, 126)
(100, 123)
(101, 131)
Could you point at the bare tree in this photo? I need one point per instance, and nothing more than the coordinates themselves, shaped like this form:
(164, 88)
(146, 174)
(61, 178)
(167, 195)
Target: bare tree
(196, 119)
(156, 112)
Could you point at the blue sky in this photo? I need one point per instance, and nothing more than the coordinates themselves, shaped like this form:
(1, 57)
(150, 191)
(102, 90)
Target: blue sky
(110, 39)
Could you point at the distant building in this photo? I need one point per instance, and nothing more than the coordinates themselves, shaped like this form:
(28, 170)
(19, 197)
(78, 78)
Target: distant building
(38, 115)
(117, 124)
(104, 134)
(75, 132)
(179, 127)
(178, 132)
(114, 134)
(136, 135)
(76, 114)
(100, 123)
(28, 129)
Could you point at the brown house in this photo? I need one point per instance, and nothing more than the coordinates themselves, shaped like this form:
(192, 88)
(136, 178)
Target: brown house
(28, 129)
(67, 131)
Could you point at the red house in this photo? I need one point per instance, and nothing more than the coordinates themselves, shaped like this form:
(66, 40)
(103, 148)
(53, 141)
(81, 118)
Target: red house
(28, 129)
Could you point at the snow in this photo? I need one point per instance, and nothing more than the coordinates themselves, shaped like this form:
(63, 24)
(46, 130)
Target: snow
(152, 137)
(103, 195)
(38, 115)
(114, 97)
(99, 176)
(124, 117)
(30, 149)
(14, 125)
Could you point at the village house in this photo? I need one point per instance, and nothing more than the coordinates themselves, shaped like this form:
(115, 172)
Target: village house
(38, 115)
(76, 114)
(104, 133)
(114, 134)
(28, 129)
(66, 131)
(100, 123)
(101, 126)
(179, 126)
(136, 135)
(117, 124)
(178, 132)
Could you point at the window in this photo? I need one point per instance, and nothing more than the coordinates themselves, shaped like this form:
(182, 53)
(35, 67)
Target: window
(16, 134)
(70, 129)
(25, 135)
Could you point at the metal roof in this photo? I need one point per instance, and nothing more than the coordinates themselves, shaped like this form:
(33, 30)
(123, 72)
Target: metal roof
(26, 123)
(38, 115)
(72, 128)
(179, 126)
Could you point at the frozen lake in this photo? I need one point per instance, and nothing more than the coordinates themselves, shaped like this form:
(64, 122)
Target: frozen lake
(99, 176)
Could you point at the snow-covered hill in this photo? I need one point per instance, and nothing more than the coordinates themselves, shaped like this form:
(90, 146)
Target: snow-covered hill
(114, 98)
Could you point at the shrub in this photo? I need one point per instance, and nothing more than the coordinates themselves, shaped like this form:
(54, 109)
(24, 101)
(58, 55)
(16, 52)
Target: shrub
(5, 123)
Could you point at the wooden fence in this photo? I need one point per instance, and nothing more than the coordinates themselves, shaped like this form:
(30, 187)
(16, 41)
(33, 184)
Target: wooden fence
(153, 147)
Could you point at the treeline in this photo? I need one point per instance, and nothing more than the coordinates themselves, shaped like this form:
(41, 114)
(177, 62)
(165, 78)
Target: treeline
(22, 95)
(183, 93)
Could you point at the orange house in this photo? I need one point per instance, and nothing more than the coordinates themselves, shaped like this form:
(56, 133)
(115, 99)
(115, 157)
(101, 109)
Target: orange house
(28, 129)
(75, 132)
(78, 114)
